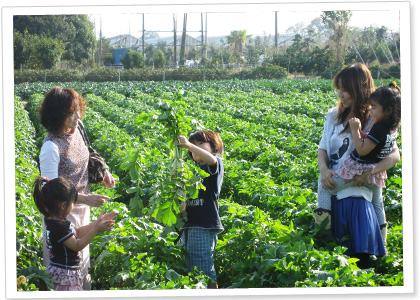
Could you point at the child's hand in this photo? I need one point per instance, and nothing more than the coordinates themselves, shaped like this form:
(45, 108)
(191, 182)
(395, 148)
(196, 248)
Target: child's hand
(111, 215)
(182, 141)
(105, 222)
(355, 124)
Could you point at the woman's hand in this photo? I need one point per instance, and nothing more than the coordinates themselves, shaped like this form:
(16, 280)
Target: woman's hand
(326, 173)
(92, 200)
(109, 180)
(327, 179)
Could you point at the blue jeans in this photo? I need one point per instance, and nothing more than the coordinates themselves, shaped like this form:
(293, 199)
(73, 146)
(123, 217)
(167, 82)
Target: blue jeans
(200, 244)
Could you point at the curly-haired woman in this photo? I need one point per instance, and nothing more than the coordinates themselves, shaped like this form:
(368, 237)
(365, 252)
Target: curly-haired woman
(64, 153)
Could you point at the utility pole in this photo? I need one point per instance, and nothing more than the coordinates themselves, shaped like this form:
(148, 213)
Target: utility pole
(202, 37)
(206, 36)
(143, 38)
(174, 15)
(276, 42)
(100, 39)
(184, 35)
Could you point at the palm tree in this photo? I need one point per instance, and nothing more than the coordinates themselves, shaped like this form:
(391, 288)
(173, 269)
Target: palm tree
(237, 39)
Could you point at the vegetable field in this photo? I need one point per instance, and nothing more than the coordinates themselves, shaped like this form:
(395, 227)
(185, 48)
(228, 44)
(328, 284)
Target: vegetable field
(270, 130)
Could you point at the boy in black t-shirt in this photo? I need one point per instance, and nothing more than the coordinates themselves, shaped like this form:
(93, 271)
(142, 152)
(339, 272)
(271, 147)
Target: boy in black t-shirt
(199, 233)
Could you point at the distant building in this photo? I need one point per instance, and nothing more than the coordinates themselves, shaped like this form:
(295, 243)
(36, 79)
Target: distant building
(169, 41)
(119, 53)
(122, 42)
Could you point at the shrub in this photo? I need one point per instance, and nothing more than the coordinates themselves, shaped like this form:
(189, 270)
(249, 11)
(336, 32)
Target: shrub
(102, 74)
(159, 59)
(266, 71)
(52, 75)
(133, 59)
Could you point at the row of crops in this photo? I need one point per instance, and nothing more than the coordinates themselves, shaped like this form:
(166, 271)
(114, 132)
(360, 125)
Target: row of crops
(270, 129)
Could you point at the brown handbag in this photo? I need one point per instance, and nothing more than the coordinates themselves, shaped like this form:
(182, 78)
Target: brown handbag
(96, 166)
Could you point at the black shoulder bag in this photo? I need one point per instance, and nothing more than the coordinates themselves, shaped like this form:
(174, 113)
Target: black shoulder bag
(96, 166)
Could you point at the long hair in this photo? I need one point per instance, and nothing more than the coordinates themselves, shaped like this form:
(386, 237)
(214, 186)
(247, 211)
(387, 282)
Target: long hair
(211, 137)
(357, 80)
(57, 106)
(389, 97)
(49, 194)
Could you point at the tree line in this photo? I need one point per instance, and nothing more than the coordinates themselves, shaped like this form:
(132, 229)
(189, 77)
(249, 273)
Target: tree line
(319, 49)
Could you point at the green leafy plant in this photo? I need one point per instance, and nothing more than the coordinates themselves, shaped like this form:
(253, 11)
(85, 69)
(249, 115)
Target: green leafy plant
(35, 279)
(178, 178)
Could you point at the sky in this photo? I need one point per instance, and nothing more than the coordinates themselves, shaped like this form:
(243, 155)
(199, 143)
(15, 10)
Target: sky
(222, 23)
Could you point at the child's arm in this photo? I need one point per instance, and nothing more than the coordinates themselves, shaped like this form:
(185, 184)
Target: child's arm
(386, 163)
(87, 233)
(363, 147)
(206, 156)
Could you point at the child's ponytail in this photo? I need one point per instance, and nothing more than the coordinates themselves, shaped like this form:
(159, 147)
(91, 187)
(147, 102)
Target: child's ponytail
(39, 199)
(48, 194)
(395, 86)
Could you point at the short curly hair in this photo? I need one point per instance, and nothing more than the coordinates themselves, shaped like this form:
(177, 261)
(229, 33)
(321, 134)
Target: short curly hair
(57, 106)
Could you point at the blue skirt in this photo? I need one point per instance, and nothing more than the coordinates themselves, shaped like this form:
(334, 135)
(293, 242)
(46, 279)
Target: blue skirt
(354, 220)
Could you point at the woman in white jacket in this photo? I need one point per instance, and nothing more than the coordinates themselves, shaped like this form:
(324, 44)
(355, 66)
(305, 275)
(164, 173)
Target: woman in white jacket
(348, 206)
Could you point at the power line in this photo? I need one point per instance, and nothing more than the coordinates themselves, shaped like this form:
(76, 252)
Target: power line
(354, 46)
(379, 45)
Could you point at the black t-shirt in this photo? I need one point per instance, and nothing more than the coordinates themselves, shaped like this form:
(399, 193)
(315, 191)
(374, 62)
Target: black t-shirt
(203, 212)
(384, 139)
(57, 233)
